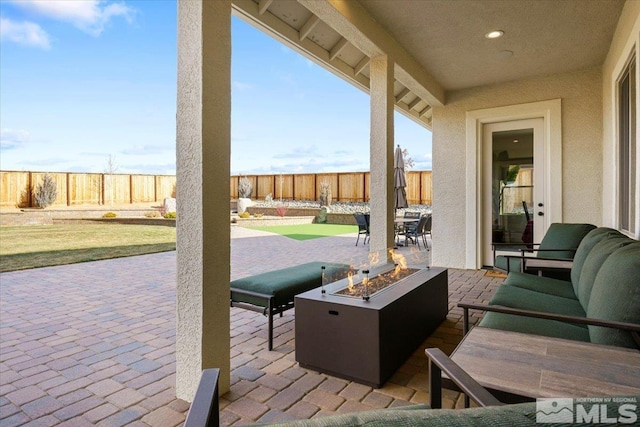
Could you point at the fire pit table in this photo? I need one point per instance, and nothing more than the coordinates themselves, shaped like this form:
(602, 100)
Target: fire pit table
(365, 331)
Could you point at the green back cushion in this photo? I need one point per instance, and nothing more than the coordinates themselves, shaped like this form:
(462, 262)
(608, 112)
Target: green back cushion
(616, 296)
(593, 262)
(587, 243)
(563, 236)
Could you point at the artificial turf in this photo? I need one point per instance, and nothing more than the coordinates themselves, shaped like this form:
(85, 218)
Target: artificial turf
(309, 231)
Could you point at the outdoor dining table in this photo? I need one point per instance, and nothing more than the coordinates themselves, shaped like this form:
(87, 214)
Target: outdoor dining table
(401, 221)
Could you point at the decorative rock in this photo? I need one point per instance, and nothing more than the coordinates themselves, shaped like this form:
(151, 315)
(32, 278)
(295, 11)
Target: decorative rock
(169, 205)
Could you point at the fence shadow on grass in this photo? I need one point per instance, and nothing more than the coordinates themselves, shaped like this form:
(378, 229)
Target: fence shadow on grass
(25, 261)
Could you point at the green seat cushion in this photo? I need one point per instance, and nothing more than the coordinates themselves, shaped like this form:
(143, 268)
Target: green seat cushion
(593, 262)
(546, 285)
(616, 296)
(535, 326)
(563, 236)
(521, 414)
(590, 240)
(286, 283)
(527, 299)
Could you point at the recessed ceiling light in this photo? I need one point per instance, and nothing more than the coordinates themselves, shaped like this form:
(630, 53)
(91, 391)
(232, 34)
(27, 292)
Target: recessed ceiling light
(505, 54)
(494, 34)
(515, 141)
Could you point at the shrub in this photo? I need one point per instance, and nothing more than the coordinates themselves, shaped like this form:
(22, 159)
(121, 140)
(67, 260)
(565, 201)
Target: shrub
(170, 215)
(281, 210)
(245, 188)
(244, 214)
(46, 192)
(325, 193)
(154, 214)
(258, 215)
(109, 215)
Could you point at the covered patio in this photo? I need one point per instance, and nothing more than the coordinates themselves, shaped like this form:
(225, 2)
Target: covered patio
(568, 66)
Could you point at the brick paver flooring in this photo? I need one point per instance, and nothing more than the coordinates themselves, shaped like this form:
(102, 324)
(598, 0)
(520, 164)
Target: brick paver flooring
(93, 343)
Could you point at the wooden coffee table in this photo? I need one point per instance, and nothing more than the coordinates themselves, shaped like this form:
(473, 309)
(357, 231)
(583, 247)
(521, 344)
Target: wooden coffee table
(519, 367)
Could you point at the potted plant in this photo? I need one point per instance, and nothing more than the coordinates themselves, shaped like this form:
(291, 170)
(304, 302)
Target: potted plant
(244, 194)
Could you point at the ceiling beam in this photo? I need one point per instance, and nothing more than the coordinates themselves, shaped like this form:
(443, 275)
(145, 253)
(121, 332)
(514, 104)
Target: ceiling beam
(351, 20)
(413, 103)
(308, 26)
(335, 51)
(263, 6)
(361, 65)
(402, 94)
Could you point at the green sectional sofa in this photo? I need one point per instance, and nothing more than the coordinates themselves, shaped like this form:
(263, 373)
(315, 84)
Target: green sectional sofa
(600, 304)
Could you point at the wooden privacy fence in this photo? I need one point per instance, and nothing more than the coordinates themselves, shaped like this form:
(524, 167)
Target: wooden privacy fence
(345, 186)
(16, 188)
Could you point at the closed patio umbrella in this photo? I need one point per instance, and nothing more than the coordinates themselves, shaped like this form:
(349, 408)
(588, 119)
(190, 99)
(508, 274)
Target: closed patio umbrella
(399, 181)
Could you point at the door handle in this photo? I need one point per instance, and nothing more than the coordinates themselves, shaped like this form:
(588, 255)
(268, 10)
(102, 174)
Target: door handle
(540, 213)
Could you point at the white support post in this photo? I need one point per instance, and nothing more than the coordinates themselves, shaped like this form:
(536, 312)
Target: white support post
(202, 157)
(381, 162)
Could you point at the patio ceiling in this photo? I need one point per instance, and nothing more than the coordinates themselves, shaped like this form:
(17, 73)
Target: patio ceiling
(439, 45)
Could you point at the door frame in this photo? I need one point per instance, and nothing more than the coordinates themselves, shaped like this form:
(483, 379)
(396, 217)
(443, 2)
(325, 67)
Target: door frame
(551, 112)
(536, 125)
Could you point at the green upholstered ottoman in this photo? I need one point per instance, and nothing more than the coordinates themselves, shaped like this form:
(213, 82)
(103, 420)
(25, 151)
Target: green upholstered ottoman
(273, 292)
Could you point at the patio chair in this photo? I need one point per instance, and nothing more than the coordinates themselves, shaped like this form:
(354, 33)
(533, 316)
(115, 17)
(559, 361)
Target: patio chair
(427, 230)
(417, 231)
(552, 257)
(363, 227)
(408, 227)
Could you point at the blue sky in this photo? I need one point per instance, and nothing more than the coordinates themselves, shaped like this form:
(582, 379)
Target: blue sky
(81, 81)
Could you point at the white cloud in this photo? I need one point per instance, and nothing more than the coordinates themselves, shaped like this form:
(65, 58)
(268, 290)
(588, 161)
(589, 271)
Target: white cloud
(241, 85)
(90, 16)
(11, 139)
(24, 33)
(144, 150)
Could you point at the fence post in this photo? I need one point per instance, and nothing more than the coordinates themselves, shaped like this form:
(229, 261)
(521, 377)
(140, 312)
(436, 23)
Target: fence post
(68, 178)
(130, 189)
(30, 190)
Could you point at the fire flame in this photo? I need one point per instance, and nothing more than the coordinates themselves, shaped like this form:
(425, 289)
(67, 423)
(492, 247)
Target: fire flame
(352, 272)
(399, 260)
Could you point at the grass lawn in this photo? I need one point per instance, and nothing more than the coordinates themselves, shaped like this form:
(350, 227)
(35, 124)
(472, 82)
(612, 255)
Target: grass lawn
(309, 231)
(27, 247)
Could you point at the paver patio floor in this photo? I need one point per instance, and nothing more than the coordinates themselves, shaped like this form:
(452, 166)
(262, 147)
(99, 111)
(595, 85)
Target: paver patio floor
(93, 343)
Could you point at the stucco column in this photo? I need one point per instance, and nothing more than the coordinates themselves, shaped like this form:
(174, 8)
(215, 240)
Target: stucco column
(381, 149)
(202, 155)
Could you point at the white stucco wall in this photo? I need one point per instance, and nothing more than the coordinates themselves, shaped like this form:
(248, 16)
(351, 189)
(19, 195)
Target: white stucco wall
(625, 40)
(581, 97)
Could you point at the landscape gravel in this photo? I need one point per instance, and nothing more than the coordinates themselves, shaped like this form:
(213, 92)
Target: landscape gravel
(336, 207)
